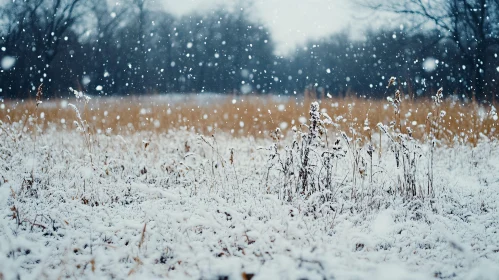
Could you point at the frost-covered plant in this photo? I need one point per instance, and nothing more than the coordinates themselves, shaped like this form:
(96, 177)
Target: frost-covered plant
(81, 124)
(218, 165)
(92, 166)
(405, 149)
(310, 140)
(433, 121)
(396, 102)
(15, 130)
(287, 165)
(306, 166)
(411, 153)
(370, 148)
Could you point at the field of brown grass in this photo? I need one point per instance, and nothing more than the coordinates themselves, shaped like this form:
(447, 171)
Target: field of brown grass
(114, 187)
(253, 115)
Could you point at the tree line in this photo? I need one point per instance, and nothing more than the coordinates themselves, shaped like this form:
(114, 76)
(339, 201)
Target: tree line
(133, 48)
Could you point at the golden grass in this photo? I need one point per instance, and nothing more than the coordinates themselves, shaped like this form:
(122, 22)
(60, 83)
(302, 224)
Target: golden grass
(253, 115)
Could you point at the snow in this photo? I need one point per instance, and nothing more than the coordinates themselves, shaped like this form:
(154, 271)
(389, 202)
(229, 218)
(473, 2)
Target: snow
(7, 62)
(430, 64)
(120, 209)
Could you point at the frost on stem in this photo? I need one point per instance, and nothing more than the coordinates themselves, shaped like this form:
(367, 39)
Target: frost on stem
(391, 81)
(80, 95)
(315, 125)
(39, 94)
(315, 119)
(78, 116)
(328, 120)
(395, 102)
(398, 99)
(276, 134)
(439, 97)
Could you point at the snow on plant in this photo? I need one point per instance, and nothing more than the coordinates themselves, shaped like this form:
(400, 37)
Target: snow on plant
(306, 168)
(407, 153)
(80, 95)
(307, 144)
(30, 186)
(81, 124)
(391, 81)
(182, 205)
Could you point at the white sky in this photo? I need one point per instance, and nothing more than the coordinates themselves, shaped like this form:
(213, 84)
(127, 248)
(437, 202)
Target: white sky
(290, 21)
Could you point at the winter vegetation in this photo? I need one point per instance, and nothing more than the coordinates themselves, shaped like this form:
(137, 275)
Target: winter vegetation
(465, 121)
(138, 143)
(338, 195)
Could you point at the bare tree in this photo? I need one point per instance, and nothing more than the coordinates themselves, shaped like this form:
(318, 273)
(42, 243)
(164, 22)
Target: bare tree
(48, 21)
(105, 50)
(33, 32)
(471, 24)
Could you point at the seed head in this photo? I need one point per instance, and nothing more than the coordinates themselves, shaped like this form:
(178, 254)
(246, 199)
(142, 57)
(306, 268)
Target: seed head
(438, 98)
(39, 94)
(391, 81)
(397, 100)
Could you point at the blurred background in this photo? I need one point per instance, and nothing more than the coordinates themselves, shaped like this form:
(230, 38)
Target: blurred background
(285, 47)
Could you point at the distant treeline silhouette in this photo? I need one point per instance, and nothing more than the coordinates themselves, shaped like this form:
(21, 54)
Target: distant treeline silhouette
(136, 49)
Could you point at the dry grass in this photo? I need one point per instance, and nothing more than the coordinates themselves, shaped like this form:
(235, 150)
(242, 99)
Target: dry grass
(252, 115)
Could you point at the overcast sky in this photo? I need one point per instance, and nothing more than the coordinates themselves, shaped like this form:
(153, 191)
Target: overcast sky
(290, 21)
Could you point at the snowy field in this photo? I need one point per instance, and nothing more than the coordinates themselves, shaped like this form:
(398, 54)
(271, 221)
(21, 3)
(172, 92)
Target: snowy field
(185, 206)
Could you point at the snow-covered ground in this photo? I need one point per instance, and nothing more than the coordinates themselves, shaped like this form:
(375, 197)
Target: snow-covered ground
(177, 205)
